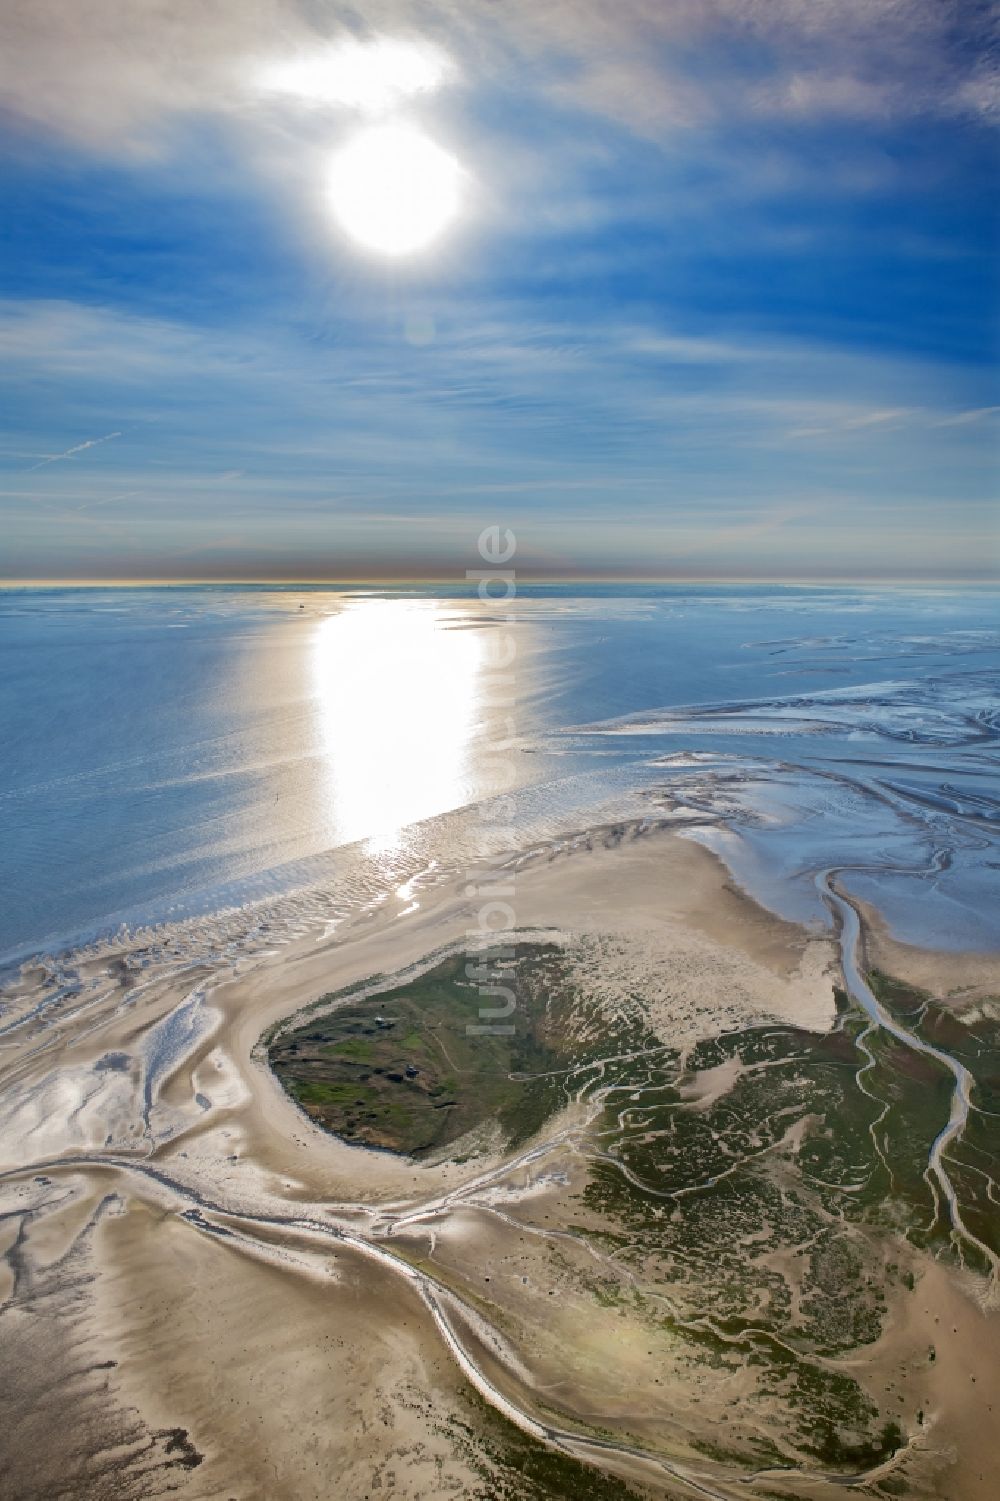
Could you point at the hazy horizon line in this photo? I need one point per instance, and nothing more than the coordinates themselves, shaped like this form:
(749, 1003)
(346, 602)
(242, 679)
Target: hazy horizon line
(524, 576)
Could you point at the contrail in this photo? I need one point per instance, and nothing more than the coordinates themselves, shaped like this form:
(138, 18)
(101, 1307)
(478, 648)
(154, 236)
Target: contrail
(53, 458)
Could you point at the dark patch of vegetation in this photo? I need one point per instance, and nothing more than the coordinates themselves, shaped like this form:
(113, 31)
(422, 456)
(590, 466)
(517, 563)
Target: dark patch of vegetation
(516, 1467)
(416, 1066)
(972, 1039)
(786, 1164)
(903, 1000)
(755, 1210)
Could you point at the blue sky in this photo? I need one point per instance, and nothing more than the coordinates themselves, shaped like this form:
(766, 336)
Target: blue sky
(720, 300)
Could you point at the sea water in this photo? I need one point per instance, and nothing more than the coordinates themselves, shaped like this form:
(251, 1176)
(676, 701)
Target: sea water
(171, 751)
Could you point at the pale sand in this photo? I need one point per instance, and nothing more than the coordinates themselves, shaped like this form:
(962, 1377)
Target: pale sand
(954, 977)
(298, 1366)
(958, 1391)
(314, 1380)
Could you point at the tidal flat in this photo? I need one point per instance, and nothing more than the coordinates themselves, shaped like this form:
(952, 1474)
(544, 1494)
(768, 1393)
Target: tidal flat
(742, 1197)
(675, 1235)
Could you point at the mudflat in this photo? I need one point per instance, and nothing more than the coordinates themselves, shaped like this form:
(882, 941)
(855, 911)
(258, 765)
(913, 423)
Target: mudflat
(672, 1236)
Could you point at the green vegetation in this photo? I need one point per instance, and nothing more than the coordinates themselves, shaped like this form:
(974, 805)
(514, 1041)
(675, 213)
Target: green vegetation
(416, 1066)
(516, 1467)
(753, 1234)
(973, 1039)
(760, 1209)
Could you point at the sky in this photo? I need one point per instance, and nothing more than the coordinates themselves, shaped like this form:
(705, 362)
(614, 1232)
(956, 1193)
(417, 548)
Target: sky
(709, 288)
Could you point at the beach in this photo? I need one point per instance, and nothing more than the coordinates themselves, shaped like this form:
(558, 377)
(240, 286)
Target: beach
(242, 1304)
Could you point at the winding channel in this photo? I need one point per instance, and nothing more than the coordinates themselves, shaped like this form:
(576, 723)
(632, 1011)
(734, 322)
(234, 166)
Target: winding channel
(450, 1313)
(860, 991)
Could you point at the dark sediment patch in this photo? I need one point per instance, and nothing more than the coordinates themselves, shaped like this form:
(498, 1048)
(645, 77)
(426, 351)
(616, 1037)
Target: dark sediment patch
(68, 1434)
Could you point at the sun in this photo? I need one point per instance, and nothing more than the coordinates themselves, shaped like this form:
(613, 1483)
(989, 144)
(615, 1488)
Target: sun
(393, 189)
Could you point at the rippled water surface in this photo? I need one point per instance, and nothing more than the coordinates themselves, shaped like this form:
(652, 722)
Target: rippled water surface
(171, 751)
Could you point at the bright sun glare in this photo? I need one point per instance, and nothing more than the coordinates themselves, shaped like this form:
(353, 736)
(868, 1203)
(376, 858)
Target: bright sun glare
(398, 696)
(393, 189)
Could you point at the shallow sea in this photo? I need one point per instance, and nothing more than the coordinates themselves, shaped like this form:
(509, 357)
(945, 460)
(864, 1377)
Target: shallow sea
(171, 752)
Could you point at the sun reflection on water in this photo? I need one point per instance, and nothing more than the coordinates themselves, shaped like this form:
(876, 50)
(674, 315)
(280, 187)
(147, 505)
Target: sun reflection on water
(397, 687)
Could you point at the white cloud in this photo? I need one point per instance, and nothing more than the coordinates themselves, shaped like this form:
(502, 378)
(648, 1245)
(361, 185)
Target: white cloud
(498, 399)
(112, 75)
(641, 443)
(371, 76)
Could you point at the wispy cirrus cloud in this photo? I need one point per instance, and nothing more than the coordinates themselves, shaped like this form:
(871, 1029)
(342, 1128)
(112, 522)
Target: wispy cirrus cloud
(115, 77)
(683, 442)
(721, 282)
(963, 419)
